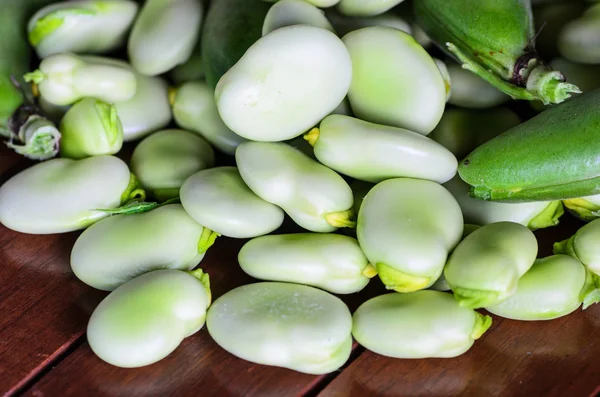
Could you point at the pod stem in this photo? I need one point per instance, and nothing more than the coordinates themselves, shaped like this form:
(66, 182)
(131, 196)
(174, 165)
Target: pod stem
(550, 85)
(341, 219)
(590, 293)
(204, 279)
(207, 239)
(399, 281)
(548, 217)
(37, 76)
(312, 136)
(369, 271)
(37, 138)
(482, 324)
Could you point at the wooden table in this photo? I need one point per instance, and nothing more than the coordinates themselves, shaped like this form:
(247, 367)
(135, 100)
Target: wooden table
(44, 310)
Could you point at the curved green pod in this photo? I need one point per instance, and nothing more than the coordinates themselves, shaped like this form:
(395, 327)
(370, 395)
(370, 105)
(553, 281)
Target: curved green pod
(63, 195)
(585, 208)
(583, 246)
(344, 24)
(294, 12)
(314, 196)
(284, 325)
(554, 287)
(486, 266)
(549, 21)
(579, 40)
(331, 262)
(394, 80)
(145, 319)
(285, 84)
(366, 8)
(195, 109)
(90, 128)
(119, 248)
(462, 130)
(373, 153)
(406, 228)
(534, 215)
(219, 199)
(496, 41)
(420, 324)
(165, 159)
(88, 26)
(164, 35)
(63, 79)
(470, 91)
(546, 158)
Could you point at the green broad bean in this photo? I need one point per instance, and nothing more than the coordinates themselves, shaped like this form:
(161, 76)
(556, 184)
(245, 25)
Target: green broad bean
(471, 91)
(420, 324)
(585, 208)
(285, 83)
(373, 153)
(486, 266)
(284, 325)
(63, 195)
(366, 7)
(90, 128)
(583, 246)
(88, 26)
(294, 12)
(331, 262)
(119, 248)
(394, 80)
(219, 199)
(406, 228)
(534, 215)
(53, 112)
(195, 109)
(579, 40)
(190, 70)
(446, 76)
(146, 319)
(554, 287)
(164, 35)
(165, 159)
(314, 196)
(63, 79)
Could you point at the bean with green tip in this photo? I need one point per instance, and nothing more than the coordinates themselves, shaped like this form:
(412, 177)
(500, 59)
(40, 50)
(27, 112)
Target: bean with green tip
(585, 208)
(583, 246)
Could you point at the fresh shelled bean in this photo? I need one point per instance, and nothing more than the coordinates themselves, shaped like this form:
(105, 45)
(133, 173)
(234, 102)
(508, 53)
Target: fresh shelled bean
(446, 76)
(394, 81)
(583, 246)
(486, 266)
(345, 24)
(86, 26)
(53, 112)
(314, 196)
(332, 262)
(373, 153)
(122, 247)
(63, 79)
(317, 3)
(462, 130)
(285, 325)
(549, 21)
(420, 324)
(579, 40)
(554, 287)
(285, 83)
(145, 319)
(164, 35)
(219, 199)
(90, 128)
(190, 70)
(366, 7)
(406, 228)
(585, 208)
(534, 215)
(62, 195)
(165, 159)
(194, 109)
(471, 91)
(294, 12)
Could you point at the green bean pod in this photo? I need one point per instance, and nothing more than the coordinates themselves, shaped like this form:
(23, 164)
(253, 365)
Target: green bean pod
(195, 109)
(122, 247)
(284, 325)
(87, 26)
(420, 324)
(63, 195)
(219, 199)
(164, 35)
(294, 12)
(583, 246)
(394, 80)
(285, 83)
(314, 196)
(90, 128)
(579, 40)
(406, 228)
(63, 79)
(331, 262)
(165, 159)
(471, 91)
(554, 287)
(486, 266)
(373, 153)
(145, 320)
(496, 41)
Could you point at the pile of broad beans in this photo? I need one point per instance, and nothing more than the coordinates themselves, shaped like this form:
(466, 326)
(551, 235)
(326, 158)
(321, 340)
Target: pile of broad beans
(385, 130)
